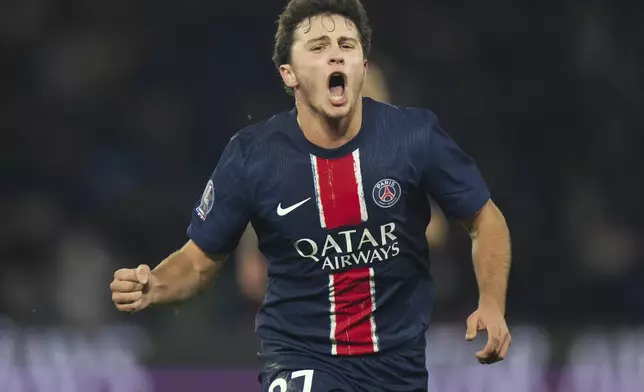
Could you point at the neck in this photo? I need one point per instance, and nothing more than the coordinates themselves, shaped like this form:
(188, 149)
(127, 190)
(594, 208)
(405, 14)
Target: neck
(328, 132)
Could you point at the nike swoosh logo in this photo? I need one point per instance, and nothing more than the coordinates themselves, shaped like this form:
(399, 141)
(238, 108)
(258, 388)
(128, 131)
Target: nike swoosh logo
(285, 211)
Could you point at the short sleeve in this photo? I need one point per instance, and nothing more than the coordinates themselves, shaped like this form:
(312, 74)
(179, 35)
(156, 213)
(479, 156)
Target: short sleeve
(451, 177)
(221, 214)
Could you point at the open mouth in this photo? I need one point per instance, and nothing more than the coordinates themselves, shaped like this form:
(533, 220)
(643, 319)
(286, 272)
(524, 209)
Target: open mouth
(337, 87)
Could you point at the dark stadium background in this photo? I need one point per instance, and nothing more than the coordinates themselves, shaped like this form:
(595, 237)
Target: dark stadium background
(114, 113)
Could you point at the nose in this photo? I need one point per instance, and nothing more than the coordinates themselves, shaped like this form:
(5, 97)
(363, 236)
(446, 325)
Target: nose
(336, 57)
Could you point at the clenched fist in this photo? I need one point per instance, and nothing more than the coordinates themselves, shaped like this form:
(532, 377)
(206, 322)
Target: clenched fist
(131, 288)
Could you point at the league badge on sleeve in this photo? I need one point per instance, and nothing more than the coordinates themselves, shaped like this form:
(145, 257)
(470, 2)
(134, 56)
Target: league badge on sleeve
(386, 193)
(207, 200)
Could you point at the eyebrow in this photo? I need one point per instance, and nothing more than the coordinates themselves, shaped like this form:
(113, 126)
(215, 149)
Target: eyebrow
(326, 38)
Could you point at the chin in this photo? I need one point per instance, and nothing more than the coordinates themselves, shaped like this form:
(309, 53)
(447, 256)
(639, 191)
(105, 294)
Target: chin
(338, 113)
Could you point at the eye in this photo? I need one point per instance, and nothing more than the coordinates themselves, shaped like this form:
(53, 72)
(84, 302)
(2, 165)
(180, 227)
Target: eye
(317, 48)
(347, 46)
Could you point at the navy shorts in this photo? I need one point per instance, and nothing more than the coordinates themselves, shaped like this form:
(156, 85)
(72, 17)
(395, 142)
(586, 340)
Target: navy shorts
(292, 371)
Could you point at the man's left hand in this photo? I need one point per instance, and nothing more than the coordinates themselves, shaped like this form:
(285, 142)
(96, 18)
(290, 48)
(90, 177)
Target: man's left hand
(489, 317)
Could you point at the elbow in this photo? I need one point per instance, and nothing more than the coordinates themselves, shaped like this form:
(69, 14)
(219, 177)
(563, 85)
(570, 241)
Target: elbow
(488, 219)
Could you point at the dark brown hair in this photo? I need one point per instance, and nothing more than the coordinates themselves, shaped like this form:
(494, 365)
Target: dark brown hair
(297, 11)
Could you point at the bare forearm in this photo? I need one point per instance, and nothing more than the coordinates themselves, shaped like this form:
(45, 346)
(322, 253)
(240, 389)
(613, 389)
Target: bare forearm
(179, 278)
(491, 254)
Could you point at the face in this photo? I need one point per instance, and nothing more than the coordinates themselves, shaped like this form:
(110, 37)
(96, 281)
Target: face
(327, 67)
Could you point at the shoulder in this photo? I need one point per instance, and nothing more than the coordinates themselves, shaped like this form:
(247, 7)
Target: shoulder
(253, 137)
(411, 128)
(404, 118)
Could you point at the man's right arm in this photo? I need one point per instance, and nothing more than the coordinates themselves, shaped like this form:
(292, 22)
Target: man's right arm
(218, 221)
(183, 275)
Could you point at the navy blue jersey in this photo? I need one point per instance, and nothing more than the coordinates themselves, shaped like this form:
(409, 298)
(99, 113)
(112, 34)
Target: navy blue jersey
(343, 229)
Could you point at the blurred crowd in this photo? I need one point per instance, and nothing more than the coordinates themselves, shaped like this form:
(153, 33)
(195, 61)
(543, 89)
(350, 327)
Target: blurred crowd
(113, 115)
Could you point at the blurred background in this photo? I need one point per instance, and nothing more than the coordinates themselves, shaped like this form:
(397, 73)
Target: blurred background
(114, 113)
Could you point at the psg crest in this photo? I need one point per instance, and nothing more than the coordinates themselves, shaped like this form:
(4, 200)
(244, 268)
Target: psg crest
(207, 200)
(386, 193)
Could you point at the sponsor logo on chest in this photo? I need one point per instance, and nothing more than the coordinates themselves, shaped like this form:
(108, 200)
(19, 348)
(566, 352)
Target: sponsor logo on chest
(351, 247)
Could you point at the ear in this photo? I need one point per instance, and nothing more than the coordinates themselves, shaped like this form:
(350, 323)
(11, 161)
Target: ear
(365, 68)
(288, 76)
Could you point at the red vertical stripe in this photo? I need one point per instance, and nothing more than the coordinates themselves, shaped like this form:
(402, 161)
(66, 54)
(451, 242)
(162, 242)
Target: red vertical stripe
(353, 311)
(338, 192)
(352, 324)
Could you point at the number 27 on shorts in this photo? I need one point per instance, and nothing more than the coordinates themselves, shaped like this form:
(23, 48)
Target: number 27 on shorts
(281, 384)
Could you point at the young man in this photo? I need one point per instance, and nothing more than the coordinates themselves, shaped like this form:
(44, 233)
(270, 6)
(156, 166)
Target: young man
(336, 190)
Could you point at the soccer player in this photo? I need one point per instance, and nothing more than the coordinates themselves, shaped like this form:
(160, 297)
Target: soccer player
(336, 189)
